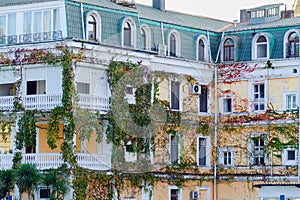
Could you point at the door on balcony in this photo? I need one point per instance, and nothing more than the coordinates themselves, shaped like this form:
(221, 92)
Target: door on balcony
(36, 87)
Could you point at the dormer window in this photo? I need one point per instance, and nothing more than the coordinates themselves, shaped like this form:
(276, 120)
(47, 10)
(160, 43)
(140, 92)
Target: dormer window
(174, 44)
(202, 48)
(293, 45)
(261, 46)
(128, 32)
(146, 37)
(93, 26)
(228, 50)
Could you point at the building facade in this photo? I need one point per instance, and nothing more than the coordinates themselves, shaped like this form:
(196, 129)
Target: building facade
(136, 102)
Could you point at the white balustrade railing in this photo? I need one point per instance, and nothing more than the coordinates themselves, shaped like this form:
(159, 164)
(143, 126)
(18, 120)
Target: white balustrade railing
(93, 102)
(54, 160)
(49, 101)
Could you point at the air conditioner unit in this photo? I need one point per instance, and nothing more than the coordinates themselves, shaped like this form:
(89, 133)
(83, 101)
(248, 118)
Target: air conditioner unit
(195, 89)
(194, 195)
(162, 50)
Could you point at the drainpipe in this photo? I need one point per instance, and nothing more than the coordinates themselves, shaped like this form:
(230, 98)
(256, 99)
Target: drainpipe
(82, 21)
(162, 32)
(216, 118)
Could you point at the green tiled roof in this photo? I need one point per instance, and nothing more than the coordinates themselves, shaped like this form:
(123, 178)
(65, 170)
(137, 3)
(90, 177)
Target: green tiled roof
(19, 2)
(181, 19)
(294, 21)
(105, 4)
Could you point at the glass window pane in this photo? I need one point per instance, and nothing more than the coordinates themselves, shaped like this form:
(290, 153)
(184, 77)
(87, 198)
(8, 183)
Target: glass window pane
(2, 25)
(12, 24)
(27, 22)
(56, 21)
(47, 21)
(37, 26)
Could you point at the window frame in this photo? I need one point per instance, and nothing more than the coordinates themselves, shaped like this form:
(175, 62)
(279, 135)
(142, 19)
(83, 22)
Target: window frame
(173, 187)
(251, 96)
(170, 148)
(205, 48)
(128, 21)
(146, 41)
(223, 100)
(179, 95)
(286, 41)
(285, 160)
(204, 88)
(286, 103)
(252, 149)
(256, 44)
(97, 26)
(228, 50)
(176, 36)
(222, 150)
(207, 150)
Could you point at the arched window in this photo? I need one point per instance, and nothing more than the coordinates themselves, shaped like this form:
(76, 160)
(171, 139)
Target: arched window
(127, 34)
(201, 50)
(93, 26)
(261, 47)
(293, 45)
(146, 37)
(228, 50)
(172, 45)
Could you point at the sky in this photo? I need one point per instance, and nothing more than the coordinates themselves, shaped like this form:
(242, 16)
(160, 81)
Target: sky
(228, 10)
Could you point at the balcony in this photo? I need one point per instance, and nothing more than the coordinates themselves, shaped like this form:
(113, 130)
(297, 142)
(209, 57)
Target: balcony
(31, 38)
(50, 101)
(54, 160)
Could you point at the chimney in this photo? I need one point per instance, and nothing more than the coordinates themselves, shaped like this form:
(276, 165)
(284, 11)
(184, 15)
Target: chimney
(159, 4)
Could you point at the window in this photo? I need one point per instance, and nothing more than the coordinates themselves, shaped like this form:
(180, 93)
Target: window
(261, 47)
(257, 151)
(93, 26)
(228, 50)
(128, 32)
(201, 48)
(174, 193)
(146, 37)
(203, 99)
(293, 45)
(8, 28)
(291, 101)
(6, 89)
(174, 44)
(130, 94)
(83, 88)
(226, 156)
(203, 150)
(43, 21)
(36, 87)
(175, 95)
(259, 97)
(174, 149)
(227, 104)
(289, 156)
(130, 153)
